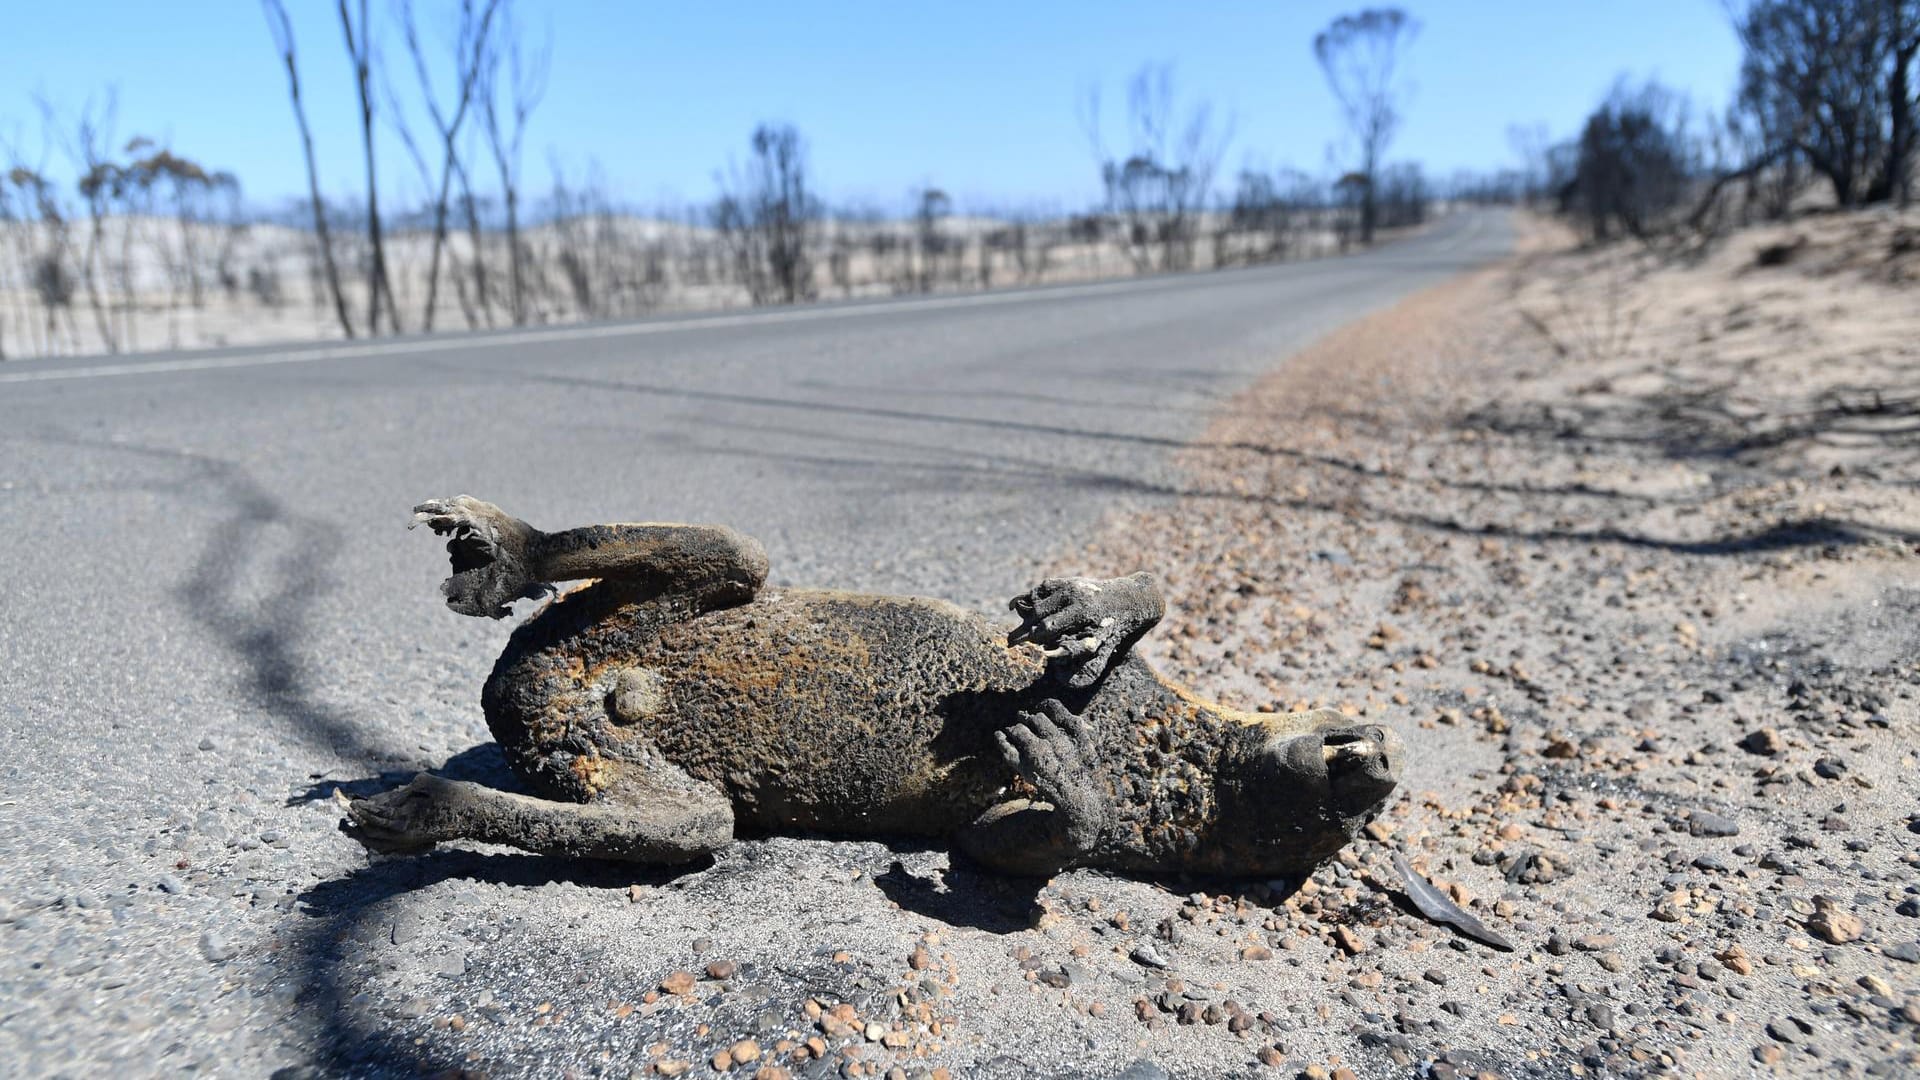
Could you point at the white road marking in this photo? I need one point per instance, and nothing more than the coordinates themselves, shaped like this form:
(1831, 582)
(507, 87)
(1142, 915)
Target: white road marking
(572, 333)
(592, 333)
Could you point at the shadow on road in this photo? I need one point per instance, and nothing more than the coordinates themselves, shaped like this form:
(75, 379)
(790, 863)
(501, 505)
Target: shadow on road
(1003, 469)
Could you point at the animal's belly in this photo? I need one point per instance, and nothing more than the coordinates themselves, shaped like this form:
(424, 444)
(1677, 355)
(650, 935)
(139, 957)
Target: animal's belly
(829, 711)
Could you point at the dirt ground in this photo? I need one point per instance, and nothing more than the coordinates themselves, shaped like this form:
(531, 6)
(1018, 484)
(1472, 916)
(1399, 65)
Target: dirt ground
(1623, 542)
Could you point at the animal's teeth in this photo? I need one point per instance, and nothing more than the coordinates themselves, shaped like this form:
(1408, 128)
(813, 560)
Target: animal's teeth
(1330, 751)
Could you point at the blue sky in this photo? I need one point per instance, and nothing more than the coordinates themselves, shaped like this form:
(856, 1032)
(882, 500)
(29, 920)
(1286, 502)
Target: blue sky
(977, 98)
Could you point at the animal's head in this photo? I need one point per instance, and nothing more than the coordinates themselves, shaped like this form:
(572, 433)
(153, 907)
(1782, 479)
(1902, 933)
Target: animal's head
(1294, 789)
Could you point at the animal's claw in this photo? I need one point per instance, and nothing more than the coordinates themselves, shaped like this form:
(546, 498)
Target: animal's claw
(1057, 609)
(1050, 748)
(487, 548)
(1053, 750)
(404, 821)
(1082, 625)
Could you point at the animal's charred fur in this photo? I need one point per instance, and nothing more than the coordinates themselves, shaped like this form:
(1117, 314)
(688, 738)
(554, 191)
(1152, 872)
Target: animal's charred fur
(675, 691)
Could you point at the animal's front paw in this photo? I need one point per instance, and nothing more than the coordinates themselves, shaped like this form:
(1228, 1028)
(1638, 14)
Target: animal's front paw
(1054, 751)
(1083, 623)
(488, 548)
(406, 820)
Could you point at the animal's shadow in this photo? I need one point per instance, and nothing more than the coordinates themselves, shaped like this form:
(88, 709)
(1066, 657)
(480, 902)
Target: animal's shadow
(482, 764)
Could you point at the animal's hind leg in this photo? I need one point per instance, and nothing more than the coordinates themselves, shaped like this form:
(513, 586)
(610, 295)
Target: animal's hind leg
(664, 823)
(497, 558)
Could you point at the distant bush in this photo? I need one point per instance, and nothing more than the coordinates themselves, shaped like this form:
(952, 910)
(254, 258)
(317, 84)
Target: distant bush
(1632, 170)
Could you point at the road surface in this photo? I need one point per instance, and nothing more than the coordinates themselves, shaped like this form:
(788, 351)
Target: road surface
(213, 616)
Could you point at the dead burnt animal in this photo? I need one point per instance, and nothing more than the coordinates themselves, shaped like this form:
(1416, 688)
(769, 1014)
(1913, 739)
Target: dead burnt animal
(673, 699)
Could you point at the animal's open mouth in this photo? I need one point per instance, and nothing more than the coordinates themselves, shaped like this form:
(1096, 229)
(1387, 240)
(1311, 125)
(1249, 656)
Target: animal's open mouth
(1359, 763)
(1347, 747)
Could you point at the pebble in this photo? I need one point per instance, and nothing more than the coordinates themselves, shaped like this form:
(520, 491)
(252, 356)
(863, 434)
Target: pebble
(1789, 1029)
(216, 948)
(1145, 953)
(1707, 823)
(1833, 924)
(1763, 741)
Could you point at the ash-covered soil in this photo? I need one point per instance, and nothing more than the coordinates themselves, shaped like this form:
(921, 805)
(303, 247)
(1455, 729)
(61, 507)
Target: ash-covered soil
(1624, 543)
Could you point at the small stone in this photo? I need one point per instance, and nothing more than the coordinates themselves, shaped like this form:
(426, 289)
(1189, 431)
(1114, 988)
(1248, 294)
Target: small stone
(1763, 741)
(919, 959)
(636, 893)
(1907, 950)
(1145, 953)
(679, 982)
(1600, 1015)
(874, 1031)
(722, 970)
(1348, 940)
(1735, 959)
(1832, 924)
(1830, 768)
(1271, 1057)
(1256, 952)
(1707, 823)
(216, 948)
(744, 1051)
(1768, 1054)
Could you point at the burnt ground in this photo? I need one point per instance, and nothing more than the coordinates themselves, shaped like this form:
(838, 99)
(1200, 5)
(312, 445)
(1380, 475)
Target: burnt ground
(1624, 542)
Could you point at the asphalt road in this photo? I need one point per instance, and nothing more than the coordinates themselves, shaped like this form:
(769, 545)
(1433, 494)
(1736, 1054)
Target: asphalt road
(212, 614)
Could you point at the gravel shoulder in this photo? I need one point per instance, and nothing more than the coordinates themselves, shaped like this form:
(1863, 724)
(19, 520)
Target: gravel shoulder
(1624, 543)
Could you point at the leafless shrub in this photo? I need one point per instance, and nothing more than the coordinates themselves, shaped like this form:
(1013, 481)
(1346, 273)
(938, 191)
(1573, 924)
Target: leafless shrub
(1158, 190)
(1633, 167)
(1834, 81)
(513, 80)
(766, 216)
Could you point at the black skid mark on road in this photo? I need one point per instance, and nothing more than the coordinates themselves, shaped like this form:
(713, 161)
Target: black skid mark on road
(266, 635)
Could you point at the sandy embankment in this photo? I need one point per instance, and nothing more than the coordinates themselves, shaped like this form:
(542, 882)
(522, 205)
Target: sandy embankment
(1625, 545)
